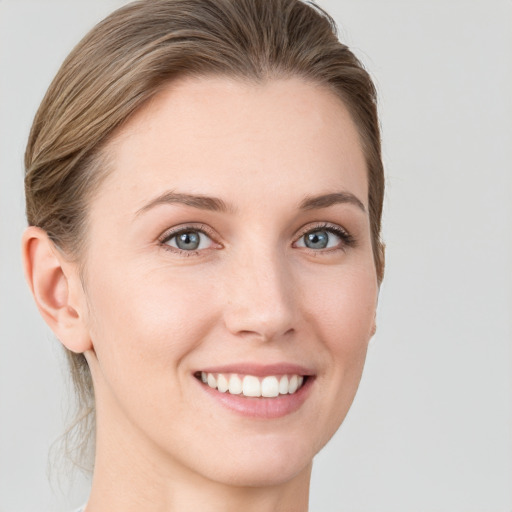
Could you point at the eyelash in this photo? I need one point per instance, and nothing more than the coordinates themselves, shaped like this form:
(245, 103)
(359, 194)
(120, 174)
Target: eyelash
(347, 240)
(169, 235)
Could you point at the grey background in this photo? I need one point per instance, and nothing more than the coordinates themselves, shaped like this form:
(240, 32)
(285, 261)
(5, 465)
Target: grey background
(431, 427)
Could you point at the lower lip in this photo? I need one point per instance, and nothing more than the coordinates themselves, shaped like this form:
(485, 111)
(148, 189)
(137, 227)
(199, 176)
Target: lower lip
(261, 407)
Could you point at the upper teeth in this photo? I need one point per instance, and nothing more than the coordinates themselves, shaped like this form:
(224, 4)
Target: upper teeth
(249, 385)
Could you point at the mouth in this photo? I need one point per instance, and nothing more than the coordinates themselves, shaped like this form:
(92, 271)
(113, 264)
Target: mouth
(257, 392)
(252, 386)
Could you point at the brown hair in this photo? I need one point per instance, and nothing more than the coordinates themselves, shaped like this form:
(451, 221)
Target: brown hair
(131, 55)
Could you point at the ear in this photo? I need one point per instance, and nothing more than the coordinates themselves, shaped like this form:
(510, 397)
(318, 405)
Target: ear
(57, 289)
(374, 326)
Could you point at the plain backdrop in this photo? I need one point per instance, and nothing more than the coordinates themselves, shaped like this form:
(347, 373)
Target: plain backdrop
(431, 426)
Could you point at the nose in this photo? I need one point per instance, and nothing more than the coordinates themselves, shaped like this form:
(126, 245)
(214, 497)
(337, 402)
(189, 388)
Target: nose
(260, 300)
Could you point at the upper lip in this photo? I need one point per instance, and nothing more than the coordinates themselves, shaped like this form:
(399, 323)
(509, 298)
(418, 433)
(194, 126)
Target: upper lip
(260, 370)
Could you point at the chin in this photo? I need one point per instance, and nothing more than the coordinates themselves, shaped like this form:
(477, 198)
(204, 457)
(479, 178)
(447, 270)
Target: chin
(262, 473)
(259, 462)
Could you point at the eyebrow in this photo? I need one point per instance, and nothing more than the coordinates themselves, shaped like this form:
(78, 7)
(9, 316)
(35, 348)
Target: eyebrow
(326, 200)
(195, 201)
(215, 204)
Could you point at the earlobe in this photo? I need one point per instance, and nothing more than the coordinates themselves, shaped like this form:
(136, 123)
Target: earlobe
(51, 279)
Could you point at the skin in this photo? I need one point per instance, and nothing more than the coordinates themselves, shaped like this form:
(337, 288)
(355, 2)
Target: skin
(149, 316)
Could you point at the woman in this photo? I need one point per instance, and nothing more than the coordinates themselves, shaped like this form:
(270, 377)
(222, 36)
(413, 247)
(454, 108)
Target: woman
(204, 193)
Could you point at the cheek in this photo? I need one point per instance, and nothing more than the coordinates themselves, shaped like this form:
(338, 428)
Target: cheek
(343, 311)
(143, 322)
(343, 306)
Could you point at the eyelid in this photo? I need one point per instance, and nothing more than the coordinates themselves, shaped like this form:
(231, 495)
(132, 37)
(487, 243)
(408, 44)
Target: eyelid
(170, 233)
(347, 240)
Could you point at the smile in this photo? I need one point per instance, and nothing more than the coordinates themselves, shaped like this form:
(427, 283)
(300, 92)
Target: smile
(270, 386)
(261, 392)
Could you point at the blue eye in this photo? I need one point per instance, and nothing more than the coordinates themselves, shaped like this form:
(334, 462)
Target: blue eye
(320, 239)
(317, 240)
(188, 240)
(325, 237)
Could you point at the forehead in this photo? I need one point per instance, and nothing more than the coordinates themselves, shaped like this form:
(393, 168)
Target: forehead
(215, 135)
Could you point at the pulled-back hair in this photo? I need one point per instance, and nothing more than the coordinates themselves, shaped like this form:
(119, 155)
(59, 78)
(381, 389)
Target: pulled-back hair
(133, 54)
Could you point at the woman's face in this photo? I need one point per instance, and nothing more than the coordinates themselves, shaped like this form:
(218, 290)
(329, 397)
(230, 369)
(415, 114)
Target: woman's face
(231, 243)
